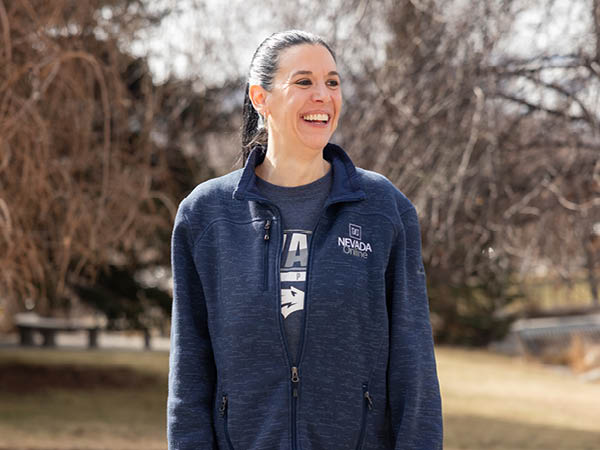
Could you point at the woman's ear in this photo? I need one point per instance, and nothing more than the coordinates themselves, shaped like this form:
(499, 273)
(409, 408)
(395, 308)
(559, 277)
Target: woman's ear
(258, 97)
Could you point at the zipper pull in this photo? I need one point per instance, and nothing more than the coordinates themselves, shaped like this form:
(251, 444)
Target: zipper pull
(369, 401)
(267, 229)
(223, 406)
(295, 379)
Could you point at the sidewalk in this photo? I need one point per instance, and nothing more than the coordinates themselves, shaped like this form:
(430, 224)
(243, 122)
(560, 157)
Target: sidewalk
(113, 340)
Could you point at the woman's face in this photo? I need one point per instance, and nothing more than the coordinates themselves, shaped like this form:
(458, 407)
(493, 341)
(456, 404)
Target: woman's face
(304, 104)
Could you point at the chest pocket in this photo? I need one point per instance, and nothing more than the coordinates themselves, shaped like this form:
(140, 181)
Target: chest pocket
(237, 252)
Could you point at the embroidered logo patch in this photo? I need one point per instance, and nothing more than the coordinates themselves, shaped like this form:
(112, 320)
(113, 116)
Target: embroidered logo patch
(354, 245)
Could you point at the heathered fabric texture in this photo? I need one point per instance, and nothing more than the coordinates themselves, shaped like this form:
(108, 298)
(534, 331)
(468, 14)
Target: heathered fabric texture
(366, 376)
(299, 209)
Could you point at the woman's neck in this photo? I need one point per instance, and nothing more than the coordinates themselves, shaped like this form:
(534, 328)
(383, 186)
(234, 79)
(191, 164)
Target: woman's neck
(292, 168)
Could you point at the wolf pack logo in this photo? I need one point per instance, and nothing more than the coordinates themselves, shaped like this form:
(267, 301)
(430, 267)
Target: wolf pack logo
(292, 299)
(354, 245)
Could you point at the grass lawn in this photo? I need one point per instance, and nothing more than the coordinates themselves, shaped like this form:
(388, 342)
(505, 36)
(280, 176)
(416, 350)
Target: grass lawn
(130, 414)
(490, 402)
(500, 403)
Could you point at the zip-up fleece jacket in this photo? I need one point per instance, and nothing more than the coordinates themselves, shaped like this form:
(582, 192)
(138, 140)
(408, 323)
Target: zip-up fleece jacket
(365, 377)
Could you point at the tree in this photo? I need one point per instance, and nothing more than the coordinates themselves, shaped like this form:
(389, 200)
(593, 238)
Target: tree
(90, 173)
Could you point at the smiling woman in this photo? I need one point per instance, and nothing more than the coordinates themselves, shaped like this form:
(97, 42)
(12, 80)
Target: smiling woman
(299, 106)
(301, 113)
(300, 313)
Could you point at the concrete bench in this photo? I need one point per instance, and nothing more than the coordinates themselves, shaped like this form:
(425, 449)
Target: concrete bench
(30, 323)
(538, 333)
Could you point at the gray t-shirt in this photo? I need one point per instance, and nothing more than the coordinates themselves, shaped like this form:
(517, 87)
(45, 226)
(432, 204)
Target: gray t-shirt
(300, 208)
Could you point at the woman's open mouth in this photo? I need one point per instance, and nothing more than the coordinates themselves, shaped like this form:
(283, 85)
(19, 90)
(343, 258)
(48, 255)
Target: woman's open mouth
(318, 119)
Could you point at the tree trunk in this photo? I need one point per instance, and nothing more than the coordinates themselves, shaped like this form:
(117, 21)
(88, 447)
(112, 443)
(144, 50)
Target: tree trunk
(591, 271)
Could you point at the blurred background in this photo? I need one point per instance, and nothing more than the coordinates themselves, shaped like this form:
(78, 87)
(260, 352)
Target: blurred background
(485, 114)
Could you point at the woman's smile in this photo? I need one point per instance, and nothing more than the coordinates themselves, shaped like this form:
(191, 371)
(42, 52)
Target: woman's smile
(317, 119)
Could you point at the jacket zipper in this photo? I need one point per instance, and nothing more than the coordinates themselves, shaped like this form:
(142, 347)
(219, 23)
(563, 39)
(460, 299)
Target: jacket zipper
(367, 403)
(301, 343)
(266, 238)
(223, 413)
(295, 380)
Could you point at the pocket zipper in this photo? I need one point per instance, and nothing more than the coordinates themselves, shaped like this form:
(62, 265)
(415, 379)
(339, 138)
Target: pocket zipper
(367, 405)
(223, 414)
(266, 238)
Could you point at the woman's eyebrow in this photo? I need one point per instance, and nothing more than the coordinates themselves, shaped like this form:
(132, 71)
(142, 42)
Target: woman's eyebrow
(308, 72)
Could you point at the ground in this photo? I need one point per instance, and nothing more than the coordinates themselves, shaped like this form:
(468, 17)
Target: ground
(106, 399)
(502, 403)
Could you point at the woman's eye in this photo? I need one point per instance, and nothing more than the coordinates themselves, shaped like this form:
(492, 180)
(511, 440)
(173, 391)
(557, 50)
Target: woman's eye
(307, 82)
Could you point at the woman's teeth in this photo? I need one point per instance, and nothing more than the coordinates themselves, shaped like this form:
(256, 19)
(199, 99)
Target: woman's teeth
(316, 117)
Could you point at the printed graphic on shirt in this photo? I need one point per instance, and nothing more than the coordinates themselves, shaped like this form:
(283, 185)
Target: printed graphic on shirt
(294, 259)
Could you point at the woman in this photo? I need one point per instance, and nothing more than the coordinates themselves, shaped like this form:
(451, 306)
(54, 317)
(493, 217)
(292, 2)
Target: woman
(300, 314)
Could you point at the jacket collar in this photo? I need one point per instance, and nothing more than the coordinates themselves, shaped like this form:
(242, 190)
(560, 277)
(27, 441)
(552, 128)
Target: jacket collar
(345, 185)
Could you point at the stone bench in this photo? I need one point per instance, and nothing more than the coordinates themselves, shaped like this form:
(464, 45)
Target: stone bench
(30, 323)
(538, 333)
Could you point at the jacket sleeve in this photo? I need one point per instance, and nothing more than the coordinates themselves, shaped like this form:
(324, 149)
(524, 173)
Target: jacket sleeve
(192, 371)
(413, 388)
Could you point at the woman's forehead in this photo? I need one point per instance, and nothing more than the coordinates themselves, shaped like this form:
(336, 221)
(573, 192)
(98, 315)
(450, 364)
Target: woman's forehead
(306, 58)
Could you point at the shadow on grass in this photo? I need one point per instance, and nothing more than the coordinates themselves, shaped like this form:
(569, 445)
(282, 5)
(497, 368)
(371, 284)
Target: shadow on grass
(18, 377)
(474, 432)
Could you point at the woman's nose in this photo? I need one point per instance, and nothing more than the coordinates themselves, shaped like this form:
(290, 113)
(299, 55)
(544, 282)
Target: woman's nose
(319, 92)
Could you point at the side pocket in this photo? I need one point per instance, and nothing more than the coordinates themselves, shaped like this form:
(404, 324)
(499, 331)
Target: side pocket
(367, 405)
(223, 414)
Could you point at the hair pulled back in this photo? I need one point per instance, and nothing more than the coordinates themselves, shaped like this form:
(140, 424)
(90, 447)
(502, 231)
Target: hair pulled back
(263, 67)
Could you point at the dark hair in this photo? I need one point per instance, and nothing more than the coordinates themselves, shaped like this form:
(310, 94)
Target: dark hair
(263, 67)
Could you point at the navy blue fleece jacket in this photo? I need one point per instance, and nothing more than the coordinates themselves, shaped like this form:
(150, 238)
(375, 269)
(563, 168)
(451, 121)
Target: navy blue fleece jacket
(366, 374)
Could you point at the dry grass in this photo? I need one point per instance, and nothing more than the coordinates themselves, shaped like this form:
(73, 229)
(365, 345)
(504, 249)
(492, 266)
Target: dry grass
(490, 402)
(549, 292)
(97, 418)
(501, 403)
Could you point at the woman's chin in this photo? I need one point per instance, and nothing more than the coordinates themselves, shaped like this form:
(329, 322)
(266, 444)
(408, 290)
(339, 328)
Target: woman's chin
(316, 142)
